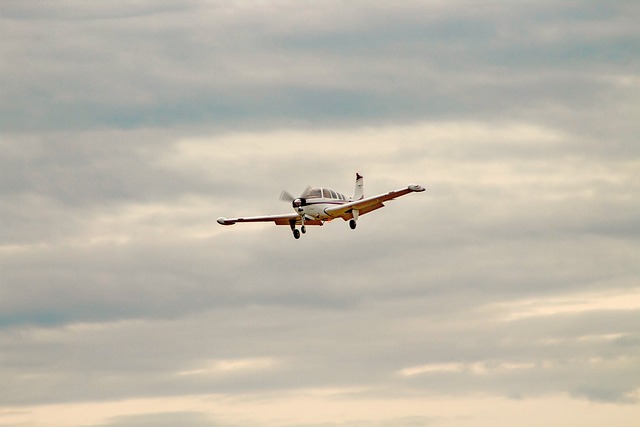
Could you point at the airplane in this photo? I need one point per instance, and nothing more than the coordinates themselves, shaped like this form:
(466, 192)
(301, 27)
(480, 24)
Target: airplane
(315, 206)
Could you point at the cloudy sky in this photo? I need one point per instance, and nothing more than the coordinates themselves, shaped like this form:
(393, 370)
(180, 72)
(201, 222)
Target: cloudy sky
(506, 294)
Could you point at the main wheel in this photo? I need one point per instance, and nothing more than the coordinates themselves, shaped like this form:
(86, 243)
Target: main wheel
(352, 224)
(296, 233)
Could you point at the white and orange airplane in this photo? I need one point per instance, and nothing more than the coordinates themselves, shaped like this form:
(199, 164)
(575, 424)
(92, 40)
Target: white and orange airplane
(319, 205)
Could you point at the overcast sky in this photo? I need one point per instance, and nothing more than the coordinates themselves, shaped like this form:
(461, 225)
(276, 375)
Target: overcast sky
(507, 294)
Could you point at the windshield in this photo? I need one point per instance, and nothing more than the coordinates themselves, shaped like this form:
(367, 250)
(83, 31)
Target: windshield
(312, 192)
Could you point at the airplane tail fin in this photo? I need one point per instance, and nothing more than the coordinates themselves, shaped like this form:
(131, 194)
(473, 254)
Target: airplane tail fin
(358, 193)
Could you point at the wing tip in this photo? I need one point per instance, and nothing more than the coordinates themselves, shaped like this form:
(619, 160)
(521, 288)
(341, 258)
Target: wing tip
(417, 188)
(224, 221)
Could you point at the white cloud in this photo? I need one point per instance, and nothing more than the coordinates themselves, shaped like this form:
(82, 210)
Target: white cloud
(475, 368)
(231, 366)
(305, 409)
(626, 299)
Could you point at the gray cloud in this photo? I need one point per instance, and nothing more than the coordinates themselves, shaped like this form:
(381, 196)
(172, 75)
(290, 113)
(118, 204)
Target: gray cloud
(222, 65)
(161, 419)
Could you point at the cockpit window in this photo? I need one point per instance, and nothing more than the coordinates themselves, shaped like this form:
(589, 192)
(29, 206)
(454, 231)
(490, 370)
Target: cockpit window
(323, 192)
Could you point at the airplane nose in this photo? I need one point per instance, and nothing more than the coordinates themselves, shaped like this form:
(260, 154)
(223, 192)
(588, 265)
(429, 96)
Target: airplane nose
(298, 204)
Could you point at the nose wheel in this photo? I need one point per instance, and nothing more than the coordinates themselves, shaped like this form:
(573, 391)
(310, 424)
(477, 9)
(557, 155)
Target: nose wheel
(352, 224)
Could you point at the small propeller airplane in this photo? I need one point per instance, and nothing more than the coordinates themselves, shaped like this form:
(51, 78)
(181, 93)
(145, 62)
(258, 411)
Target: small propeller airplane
(315, 206)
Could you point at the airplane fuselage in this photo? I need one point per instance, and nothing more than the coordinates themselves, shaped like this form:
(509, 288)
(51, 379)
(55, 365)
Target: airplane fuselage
(313, 204)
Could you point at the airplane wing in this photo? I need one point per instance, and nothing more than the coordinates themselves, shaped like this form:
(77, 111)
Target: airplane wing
(370, 204)
(284, 219)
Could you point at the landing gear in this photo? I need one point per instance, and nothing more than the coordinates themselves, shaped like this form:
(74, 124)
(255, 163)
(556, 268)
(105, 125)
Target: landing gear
(296, 232)
(352, 222)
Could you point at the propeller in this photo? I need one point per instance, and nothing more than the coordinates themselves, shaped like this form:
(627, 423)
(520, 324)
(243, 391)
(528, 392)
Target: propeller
(296, 202)
(285, 196)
